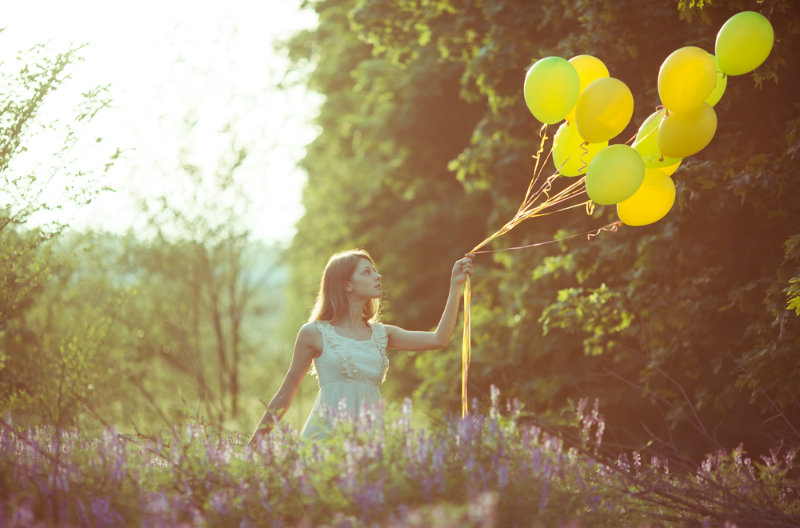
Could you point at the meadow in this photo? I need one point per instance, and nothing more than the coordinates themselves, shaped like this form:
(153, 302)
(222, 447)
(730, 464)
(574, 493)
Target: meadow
(495, 467)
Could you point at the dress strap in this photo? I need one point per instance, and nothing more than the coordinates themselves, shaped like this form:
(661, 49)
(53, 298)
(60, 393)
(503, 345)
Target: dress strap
(379, 335)
(326, 330)
(381, 339)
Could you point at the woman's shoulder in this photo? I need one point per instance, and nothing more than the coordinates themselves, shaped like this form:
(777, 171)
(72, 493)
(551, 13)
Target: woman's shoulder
(310, 334)
(381, 332)
(388, 328)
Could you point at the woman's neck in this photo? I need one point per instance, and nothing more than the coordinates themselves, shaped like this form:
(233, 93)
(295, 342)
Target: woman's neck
(352, 319)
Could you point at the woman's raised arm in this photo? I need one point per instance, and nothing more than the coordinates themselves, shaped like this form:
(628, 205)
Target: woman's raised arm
(413, 340)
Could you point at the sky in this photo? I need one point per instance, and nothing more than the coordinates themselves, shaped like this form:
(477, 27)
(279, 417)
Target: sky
(167, 63)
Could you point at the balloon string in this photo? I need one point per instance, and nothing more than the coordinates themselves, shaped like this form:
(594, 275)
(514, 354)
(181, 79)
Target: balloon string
(540, 214)
(547, 187)
(466, 352)
(537, 157)
(527, 209)
(612, 227)
(584, 151)
(465, 349)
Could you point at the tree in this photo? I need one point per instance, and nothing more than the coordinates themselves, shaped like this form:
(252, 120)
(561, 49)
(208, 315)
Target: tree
(28, 172)
(680, 328)
(200, 307)
(377, 176)
(23, 185)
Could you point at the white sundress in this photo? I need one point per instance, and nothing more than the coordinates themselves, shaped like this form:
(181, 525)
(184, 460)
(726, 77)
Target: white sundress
(349, 372)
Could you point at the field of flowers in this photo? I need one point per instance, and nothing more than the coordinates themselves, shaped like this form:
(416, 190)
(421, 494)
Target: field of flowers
(493, 468)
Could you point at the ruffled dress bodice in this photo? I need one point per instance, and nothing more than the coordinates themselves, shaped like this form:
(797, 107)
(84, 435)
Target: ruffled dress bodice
(350, 372)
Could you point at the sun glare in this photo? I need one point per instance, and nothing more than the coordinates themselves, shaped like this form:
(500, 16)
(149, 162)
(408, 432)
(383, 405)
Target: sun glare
(187, 81)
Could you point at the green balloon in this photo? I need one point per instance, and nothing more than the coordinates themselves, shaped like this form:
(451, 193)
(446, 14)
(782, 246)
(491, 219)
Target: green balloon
(744, 42)
(571, 154)
(719, 89)
(551, 89)
(646, 143)
(614, 175)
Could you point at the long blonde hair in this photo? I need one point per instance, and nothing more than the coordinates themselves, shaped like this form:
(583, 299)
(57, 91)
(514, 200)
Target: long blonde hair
(332, 297)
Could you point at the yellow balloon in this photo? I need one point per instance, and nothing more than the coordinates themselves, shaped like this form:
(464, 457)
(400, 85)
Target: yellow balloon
(589, 69)
(719, 89)
(551, 89)
(670, 170)
(604, 109)
(651, 202)
(646, 142)
(614, 174)
(686, 79)
(744, 42)
(681, 135)
(570, 155)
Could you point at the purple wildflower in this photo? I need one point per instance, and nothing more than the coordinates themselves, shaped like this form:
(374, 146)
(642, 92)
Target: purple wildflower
(543, 495)
(502, 476)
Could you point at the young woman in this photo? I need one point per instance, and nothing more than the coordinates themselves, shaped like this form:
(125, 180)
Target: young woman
(347, 344)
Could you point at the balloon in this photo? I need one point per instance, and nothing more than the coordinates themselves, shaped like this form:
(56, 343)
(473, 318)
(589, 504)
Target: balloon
(719, 89)
(681, 135)
(744, 42)
(646, 142)
(589, 69)
(686, 79)
(569, 157)
(551, 89)
(604, 109)
(614, 174)
(670, 169)
(651, 202)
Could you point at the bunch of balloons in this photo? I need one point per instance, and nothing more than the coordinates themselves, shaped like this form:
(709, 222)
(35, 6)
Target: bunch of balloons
(597, 107)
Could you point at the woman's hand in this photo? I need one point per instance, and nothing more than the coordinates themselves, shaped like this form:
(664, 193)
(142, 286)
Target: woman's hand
(461, 270)
(405, 340)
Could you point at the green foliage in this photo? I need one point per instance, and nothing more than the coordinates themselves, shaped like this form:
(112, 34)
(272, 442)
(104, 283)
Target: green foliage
(793, 291)
(125, 332)
(48, 367)
(600, 313)
(22, 268)
(673, 326)
(794, 295)
(97, 329)
(63, 357)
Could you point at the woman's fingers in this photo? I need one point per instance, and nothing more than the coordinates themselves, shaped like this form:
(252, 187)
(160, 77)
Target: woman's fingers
(463, 265)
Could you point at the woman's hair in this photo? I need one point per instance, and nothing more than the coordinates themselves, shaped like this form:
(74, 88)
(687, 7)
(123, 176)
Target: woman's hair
(332, 297)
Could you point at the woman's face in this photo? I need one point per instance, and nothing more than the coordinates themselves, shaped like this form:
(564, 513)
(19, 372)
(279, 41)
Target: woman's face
(365, 282)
